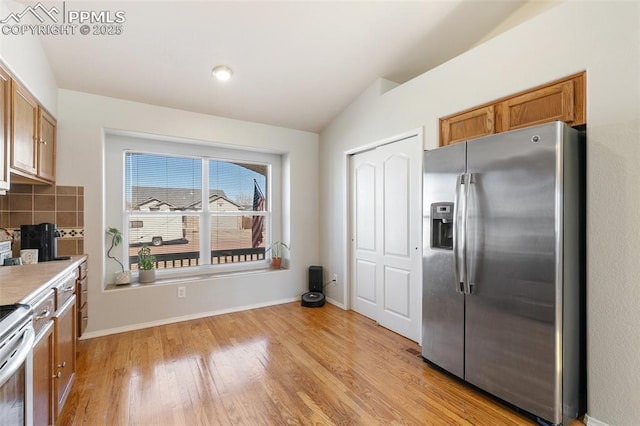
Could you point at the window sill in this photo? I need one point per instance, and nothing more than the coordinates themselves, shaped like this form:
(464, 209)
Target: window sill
(191, 278)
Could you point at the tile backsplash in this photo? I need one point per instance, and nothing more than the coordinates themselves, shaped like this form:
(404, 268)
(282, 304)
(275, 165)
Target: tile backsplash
(33, 204)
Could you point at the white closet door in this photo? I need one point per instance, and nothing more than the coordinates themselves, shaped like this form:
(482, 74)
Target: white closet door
(386, 235)
(364, 252)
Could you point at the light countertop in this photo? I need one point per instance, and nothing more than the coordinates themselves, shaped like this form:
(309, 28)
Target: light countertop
(24, 283)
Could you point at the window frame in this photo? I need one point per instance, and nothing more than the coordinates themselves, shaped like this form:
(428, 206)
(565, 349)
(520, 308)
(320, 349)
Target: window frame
(116, 147)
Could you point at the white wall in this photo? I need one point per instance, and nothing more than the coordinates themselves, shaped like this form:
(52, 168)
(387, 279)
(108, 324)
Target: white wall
(25, 59)
(602, 38)
(81, 123)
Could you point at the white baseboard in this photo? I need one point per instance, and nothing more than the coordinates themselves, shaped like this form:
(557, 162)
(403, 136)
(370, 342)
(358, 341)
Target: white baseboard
(139, 326)
(590, 421)
(336, 303)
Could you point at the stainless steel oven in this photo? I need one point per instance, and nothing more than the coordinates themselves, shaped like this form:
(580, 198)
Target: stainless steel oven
(16, 341)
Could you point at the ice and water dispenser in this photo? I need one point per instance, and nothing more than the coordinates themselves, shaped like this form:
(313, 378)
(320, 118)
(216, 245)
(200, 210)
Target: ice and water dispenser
(442, 225)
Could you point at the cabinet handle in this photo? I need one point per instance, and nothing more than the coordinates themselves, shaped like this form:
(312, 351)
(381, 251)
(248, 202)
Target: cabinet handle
(63, 365)
(57, 376)
(69, 288)
(42, 141)
(44, 314)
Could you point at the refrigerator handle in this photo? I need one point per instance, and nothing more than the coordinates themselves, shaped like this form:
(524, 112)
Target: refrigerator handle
(459, 286)
(468, 179)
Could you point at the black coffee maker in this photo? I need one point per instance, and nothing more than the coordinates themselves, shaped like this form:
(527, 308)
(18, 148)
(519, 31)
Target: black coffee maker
(41, 237)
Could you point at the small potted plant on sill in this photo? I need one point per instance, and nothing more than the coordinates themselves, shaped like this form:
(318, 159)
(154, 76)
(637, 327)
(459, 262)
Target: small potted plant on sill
(122, 276)
(277, 250)
(146, 263)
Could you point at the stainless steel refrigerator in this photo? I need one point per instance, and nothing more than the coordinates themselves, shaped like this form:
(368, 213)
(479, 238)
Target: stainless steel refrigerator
(503, 267)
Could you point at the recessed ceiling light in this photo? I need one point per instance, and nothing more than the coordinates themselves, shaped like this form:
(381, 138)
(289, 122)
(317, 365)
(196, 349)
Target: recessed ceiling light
(222, 72)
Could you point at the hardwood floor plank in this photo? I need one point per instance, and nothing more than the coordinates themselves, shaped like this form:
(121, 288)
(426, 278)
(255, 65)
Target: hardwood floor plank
(280, 365)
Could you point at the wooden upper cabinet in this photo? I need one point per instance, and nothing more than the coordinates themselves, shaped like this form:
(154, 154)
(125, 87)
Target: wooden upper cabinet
(469, 125)
(24, 121)
(33, 139)
(47, 147)
(5, 117)
(554, 103)
(561, 100)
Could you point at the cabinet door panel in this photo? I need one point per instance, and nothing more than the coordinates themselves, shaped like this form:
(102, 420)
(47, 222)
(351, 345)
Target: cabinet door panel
(468, 125)
(43, 358)
(540, 106)
(24, 119)
(82, 293)
(65, 364)
(5, 106)
(83, 319)
(47, 147)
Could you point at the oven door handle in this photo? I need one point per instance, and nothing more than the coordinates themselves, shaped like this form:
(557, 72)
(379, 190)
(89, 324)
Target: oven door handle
(20, 356)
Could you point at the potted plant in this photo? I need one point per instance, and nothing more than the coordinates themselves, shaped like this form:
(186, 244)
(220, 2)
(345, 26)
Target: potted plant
(122, 276)
(146, 263)
(277, 250)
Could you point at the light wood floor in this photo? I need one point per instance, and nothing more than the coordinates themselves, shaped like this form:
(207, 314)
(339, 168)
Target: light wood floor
(278, 365)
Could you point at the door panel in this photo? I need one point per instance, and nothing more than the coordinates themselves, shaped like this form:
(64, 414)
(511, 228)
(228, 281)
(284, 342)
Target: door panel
(365, 209)
(512, 222)
(399, 187)
(397, 292)
(396, 169)
(364, 219)
(443, 307)
(385, 265)
(366, 281)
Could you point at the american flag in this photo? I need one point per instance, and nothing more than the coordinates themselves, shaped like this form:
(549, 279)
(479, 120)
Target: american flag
(258, 221)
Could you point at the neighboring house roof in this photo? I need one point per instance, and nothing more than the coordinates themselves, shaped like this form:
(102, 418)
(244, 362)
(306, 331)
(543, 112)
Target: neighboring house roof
(176, 198)
(155, 204)
(213, 198)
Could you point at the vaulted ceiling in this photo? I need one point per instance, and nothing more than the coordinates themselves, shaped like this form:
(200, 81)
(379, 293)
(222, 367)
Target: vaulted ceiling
(296, 64)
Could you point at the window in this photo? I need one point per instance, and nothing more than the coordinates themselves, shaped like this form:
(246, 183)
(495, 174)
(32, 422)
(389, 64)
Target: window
(192, 209)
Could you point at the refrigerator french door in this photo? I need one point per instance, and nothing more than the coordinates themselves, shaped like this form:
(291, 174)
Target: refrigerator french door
(503, 269)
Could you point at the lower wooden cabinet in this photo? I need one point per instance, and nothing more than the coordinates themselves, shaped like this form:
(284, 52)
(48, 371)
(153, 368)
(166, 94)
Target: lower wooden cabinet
(82, 293)
(65, 322)
(43, 359)
(54, 351)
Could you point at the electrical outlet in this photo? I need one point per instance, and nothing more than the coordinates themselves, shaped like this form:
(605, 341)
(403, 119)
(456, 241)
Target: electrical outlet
(334, 278)
(182, 292)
